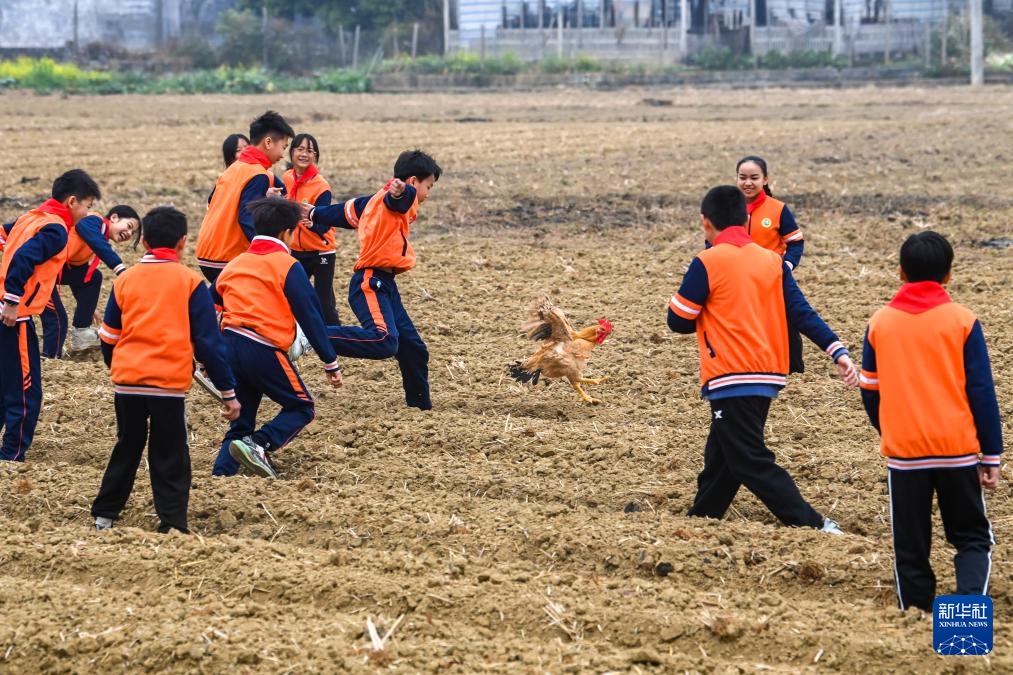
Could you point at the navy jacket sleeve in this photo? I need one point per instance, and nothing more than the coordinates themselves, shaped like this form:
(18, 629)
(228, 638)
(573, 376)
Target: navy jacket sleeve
(305, 304)
(254, 190)
(695, 288)
(324, 199)
(794, 249)
(46, 243)
(208, 344)
(806, 320)
(402, 204)
(321, 228)
(870, 397)
(981, 395)
(90, 229)
(334, 215)
(113, 321)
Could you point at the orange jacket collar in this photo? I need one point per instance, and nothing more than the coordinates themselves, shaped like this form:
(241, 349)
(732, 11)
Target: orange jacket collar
(736, 236)
(920, 296)
(253, 155)
(757, 203)
(55, 208)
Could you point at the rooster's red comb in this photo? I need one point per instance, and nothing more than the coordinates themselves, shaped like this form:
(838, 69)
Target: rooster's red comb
(605, 324)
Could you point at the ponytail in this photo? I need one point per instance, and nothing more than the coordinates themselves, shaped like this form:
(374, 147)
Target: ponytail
(760, 162)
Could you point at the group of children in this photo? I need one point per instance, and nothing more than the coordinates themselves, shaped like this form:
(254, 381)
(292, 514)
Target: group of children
(925, 377)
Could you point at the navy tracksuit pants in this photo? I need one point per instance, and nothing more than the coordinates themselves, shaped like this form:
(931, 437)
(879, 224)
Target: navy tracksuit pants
(386, 330)
(962, 508)
(320, 268)
(54, 319)
(21, 388)
(262, 371)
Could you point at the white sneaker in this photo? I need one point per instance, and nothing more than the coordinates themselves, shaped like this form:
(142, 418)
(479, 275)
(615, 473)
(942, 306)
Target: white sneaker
(103, 523)
(252, 456)
(831, 527)
(83, 339)
(202, 379)
(300, 345)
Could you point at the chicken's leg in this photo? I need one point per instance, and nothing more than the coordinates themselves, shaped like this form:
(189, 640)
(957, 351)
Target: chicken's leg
(575, 383)
(587, 380)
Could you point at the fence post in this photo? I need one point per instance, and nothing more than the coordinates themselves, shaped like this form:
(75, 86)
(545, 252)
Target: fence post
(580, 23)
(683, 30)
(355, 49)
(415, 40)
(752, 29)
(77, 35)
(263, 37)
(928, 44)
(396, 51)
(977, 45)
(946, 29)
(559, 28)
(482, 43)
(838, 11)
(889, 32)
(446, 27)
(341, 46)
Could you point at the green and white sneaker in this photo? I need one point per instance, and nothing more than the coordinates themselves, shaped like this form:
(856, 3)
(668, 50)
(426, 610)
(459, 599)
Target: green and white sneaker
(831, 527)
(252, 456)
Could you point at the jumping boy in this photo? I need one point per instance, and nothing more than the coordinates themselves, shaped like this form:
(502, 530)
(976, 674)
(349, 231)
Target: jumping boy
(383, 222)
(737, 296)
(263, 293)
(159, 315)
(228, 229)
(927, 388)
(34, 254)
(87, 246)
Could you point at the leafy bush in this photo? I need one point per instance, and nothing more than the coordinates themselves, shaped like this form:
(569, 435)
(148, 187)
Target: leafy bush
(721, 58)
(585, 63)
(45, 75)
(342, 81)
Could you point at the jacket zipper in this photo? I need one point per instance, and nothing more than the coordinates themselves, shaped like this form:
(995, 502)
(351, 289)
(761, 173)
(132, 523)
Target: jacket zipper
(708, 343)
(34, 293)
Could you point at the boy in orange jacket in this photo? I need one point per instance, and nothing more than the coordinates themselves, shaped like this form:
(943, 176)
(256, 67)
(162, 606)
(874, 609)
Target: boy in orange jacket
(737, 297)
(927, 388)
(35, 252)
(159, 316)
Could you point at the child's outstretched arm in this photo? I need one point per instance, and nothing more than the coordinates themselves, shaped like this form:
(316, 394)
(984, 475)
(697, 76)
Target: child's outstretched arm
(344, 215)
(257, 188)
(90, 228)
(791, 235)
(809, 323)
(868, 380)
(686, 305)
(305, 304)
(47, 242)
(984, 405)
(109, 331)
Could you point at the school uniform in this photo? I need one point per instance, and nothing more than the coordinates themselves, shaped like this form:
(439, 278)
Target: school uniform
(87, 247)
(227, 228)
(737, 298)
(927, 387)
(386, 330)
(263, 293)
(312, 245)
(772, 225)
(159, 316)
(34, 253)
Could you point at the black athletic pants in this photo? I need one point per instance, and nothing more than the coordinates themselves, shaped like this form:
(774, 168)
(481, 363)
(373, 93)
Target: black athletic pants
(962, 508)
(736, 455)
(795, 362)
(320, 268)
(168, 459)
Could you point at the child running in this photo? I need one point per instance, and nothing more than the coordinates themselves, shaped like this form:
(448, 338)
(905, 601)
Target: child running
(34, 255)
(263, 292)
(772, 225)
(159, 316)
(927, 388)
(736, 297)
(382, 221)
(87, 246)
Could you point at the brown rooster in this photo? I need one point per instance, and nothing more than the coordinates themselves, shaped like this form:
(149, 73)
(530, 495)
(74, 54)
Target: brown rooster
(564, 352)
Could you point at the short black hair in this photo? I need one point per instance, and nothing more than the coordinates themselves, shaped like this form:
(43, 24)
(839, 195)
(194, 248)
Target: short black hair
(297, 141)
(724, 206)
(124, 212)
(75, 183)
(418, 164)
(926, 256)
(269, 124)
(273, 215)
(163, 227)
(230, 146)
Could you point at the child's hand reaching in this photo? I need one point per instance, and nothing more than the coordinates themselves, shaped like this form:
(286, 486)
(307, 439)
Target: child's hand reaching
(846, 369)
(230, 409)
(273, 192)
(396, 188)
(989, 476)
(334, 378)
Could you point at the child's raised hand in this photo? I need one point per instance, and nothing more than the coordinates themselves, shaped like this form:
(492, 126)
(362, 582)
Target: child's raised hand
(846, 369)
(396, 188)
(989, 476)
(307, 210)
(334, 378)
(230, 409)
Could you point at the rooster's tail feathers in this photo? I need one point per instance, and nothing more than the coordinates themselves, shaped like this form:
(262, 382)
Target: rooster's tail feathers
(517, 372)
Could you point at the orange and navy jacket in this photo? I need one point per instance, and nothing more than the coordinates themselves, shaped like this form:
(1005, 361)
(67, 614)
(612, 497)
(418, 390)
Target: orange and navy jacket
(158, 318)
(772, 225)
(382, 223)
(34, 254)
(737, 297)
(227, 229)
(927, 383)
(310, 188)
(88, 244)
(264, 292)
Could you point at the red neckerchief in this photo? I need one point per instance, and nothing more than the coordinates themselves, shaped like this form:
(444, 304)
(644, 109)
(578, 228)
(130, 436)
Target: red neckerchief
(55, 208)
(760, 198)
(263, 246)
(920, 296)
(164, 254)
(736, 236)
(95, 261)
(251, 154)
(310, 174)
